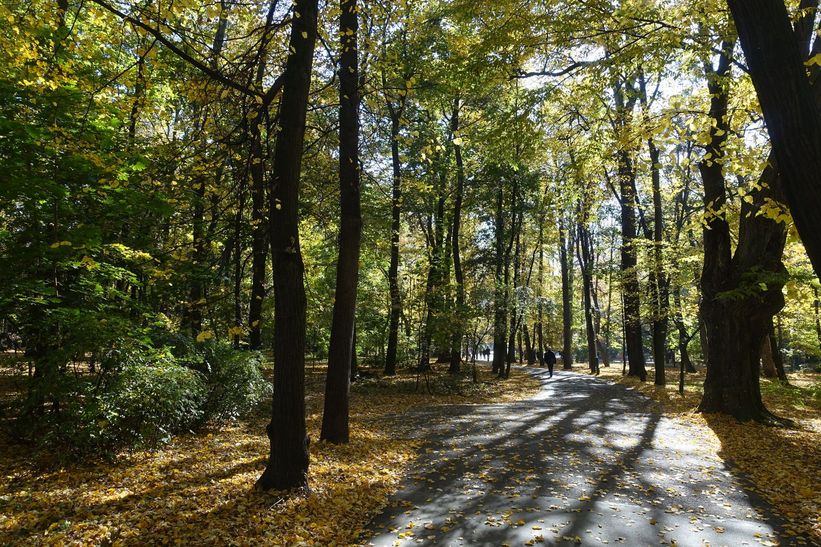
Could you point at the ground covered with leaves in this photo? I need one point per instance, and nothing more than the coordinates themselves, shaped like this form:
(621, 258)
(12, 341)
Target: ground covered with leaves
(782, 464)
(198, 488)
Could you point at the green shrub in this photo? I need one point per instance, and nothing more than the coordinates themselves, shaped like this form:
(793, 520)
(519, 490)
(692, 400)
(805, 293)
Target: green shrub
(149, 402)
(233, 378)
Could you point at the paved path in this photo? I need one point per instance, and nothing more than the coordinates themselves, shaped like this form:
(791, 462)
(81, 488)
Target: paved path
(584, 462)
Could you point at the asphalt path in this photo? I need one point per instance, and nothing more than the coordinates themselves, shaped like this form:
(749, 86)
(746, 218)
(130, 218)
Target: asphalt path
(583, 462)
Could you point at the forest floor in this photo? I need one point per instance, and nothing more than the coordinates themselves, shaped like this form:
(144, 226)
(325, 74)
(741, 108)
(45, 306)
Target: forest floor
(197, 490)
(590, 462)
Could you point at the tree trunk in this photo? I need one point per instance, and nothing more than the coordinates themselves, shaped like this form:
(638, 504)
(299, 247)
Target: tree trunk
(433, 284)
(738, 303)
(514, 301)
(238, 261)
(767, 360)
(531, 357)
(259, 224)
(354, 362)
(777, 68)
(500, 289)
(259, 233)
(287, 465)
(539, 330)
(337, 387)
(683, 336)
(584, 252)
(393, 270)
(459, 312)
(567, 298)
(778, 360)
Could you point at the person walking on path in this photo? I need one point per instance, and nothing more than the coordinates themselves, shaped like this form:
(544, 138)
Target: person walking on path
(550, 359)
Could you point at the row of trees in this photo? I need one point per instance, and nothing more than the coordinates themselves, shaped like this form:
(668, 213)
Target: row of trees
(549, 175)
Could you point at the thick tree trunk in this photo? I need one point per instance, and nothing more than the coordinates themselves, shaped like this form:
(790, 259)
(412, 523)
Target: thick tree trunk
(337, 387)
(287, 465)
(776, 65)
(738, 302)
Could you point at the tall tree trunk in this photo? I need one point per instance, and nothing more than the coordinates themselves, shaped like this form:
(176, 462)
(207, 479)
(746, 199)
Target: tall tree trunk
(259, 233)
(514, 304)
(659, 280)
(433, 288)
(539, 329)
(567, 297)
(337, 387)
(259, 223)
(777, 68)
(459, 315)
(629, 261)
(584, 251)
(238, 218)
(500, 290)
(287, 465)
(393, 270)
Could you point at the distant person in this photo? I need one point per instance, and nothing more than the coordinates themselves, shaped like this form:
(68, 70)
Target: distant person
(550, 360)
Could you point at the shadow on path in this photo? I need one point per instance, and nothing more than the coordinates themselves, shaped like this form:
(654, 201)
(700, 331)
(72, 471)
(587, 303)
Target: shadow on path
(584, 461)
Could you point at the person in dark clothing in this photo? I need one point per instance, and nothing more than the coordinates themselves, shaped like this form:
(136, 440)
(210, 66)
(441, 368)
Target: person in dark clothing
(550, 360)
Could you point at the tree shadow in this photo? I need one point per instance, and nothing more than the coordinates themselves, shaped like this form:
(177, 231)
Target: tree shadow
(576, 462)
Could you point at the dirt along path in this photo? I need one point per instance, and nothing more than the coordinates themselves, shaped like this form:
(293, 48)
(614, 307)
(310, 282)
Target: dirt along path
(583, 462)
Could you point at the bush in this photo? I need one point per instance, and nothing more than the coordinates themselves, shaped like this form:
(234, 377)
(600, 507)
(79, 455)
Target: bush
(234, 379)
(149, 402)
(140, 396)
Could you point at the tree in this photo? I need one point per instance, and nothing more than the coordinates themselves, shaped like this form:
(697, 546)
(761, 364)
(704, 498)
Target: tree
(790, 110)
(287, 465)
(335, 415)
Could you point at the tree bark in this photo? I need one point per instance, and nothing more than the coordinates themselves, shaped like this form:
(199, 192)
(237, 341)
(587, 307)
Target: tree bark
(584, 251)
(500, 290)
(287, 465)
(337, 387)
(459, 312)
(740, 292)
(567, 298)
(776, 65)
(629, 260)
(259, 224)
(393, 270)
